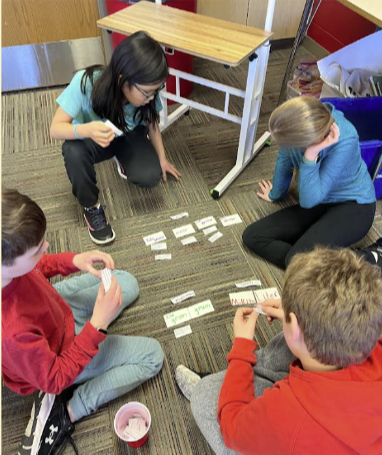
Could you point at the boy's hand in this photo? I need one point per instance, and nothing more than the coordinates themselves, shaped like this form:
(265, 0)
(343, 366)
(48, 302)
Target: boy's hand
(265, 187)
(107, 305)
(85, 261)
(273, 309)
(244, 323)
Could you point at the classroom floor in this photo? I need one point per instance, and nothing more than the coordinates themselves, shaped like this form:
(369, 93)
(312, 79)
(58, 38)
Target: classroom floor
(203, 148)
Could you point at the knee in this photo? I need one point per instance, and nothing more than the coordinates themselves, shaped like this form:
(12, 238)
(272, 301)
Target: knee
(249, 237)
(156, 358)
(148, 179)
(129, 286)
(74, 153)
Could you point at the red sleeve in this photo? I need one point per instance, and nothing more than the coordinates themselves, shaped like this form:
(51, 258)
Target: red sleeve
(44, 369)
(57, 264)
(249, 424)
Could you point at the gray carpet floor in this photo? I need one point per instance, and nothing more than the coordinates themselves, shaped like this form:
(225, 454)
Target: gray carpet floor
(203, 148)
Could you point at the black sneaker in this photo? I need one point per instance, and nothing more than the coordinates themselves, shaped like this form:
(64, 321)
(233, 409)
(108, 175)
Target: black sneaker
(373, 253)
(99, 228)
(120, 169)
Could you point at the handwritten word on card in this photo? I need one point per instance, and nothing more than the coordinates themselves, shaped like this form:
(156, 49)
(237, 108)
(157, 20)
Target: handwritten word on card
(154, 238)
(230, 220)
(210, 230)
(246, 284)
(242, 298)
(215, 237)
(264, 294)
(200, 309)
(183, 230)
(179, 216)
(182, 331)
(177, 317)
(182, 297)
(189, 240)
(205, 222)
(159, 246)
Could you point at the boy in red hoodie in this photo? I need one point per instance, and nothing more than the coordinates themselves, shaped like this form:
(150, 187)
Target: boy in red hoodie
(55, 336)
(331, 401)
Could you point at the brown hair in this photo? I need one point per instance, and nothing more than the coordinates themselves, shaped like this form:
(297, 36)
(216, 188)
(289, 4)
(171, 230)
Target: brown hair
(300, 122)
(23, 225)
(337, 299)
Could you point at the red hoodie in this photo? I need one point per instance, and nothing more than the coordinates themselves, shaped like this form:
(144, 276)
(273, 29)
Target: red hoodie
(39, 348)
(306, 413)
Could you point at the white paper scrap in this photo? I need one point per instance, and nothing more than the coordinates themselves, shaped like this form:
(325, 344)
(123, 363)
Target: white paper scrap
(154, 238)
(210, 230)
(200, 309)
(116, 130)
(182, 331)
(181, 231)
(182, 297)
(177, 317)
(159, 246)
(264, 294)
(205, 222)
(189, 240)
(259, 310)
(242, 298)
(230, 220)
(163, 257)
(246, 284)
(180, 215)
(215, 237)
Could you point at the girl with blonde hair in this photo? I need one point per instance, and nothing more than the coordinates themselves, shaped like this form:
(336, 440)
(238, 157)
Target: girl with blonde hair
(336, 194)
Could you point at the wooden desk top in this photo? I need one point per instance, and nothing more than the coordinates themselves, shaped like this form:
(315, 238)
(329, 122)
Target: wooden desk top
(202, 36)
(370, 9)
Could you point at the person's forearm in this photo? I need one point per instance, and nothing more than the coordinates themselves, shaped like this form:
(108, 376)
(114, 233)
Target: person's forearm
(156, 139)
(65, 131)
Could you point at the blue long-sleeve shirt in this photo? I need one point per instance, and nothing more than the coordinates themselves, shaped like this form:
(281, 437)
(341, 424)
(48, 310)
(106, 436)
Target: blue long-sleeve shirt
(339, 175)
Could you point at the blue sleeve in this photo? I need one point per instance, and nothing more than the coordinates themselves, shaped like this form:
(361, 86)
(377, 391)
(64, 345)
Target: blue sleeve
(282, 176)
(71, 98)
(316, 180)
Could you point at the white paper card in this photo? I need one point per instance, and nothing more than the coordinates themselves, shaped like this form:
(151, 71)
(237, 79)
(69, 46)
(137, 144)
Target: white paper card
(163, 257)
(106, 278)
(177, 317)
(200, 309)
(154, 238)
(269, 293)
(159, 246)
(242, 298)
(215, 237)
(116, 130)
(189, 240)
(246, 284)
(205, 222)
(260, 311)
(210, 230)
(179, 216)
(181, 231)
(182, 297)
(230, 220)
(182, 331)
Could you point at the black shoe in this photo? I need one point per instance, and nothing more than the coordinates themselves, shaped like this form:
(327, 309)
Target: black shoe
(373, 253)
(120, 169)
(99, 228)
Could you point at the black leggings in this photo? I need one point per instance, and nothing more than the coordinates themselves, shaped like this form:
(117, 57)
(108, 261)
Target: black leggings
(278, 237)
(134, 151)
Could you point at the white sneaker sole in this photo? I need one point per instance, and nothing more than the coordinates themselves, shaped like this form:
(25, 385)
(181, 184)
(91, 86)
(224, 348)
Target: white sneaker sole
(102, 242)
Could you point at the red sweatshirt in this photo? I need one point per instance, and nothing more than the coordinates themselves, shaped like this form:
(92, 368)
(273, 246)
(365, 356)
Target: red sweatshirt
(306, 413)
(39, 348)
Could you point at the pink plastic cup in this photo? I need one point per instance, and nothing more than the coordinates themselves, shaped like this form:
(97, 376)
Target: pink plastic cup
(127, 412)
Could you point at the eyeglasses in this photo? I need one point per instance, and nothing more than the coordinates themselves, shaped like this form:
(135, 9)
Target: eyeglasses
(149, 95)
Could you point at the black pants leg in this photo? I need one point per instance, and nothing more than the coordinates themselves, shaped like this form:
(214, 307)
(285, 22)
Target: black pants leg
(134, 151)
(278, 237)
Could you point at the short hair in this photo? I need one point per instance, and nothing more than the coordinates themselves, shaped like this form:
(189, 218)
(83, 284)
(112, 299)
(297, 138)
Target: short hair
(337, 299)
(23, 225)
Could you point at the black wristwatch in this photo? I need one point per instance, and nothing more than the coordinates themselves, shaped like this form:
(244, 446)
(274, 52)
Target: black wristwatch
(102, 330)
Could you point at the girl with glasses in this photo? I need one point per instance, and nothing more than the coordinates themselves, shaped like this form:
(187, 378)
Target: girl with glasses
(126, 93)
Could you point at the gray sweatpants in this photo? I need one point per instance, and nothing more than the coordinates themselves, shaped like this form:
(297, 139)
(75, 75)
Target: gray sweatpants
(272, 365)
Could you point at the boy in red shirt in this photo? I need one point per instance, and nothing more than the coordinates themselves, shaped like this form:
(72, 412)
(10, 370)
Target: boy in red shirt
(331, 401)
(56, 336)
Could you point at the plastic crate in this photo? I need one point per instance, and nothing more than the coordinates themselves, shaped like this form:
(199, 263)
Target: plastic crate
(366, 115)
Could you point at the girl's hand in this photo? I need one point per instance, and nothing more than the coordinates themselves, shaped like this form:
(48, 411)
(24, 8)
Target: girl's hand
(265, 187)
(100, 133)
(244, 323)
(168, 167)
(313, 150)
(85, 261)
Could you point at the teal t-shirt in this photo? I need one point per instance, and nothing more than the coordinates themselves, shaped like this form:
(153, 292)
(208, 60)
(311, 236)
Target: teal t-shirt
(79, 105)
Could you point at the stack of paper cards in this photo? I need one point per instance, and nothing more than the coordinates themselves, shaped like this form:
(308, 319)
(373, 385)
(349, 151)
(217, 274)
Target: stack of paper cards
(230, 220)
(116, 130)
(242, 298)
(154, 238)
(194, 311)
(135, 429)
(205, 222)
(183, 230)
(106, 278)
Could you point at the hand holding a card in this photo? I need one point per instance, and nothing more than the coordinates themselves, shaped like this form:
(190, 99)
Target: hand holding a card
(100, 133)
(272, 309)
(107, 305)
(244, 323)
(85, 261)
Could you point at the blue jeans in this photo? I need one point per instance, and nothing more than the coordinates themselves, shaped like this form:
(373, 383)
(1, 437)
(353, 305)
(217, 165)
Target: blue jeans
(122, 362)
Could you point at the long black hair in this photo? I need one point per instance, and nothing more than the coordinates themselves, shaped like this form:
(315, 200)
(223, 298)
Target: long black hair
(138, 59)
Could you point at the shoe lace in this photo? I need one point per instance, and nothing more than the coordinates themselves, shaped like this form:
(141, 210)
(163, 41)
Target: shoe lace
(98, 218)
